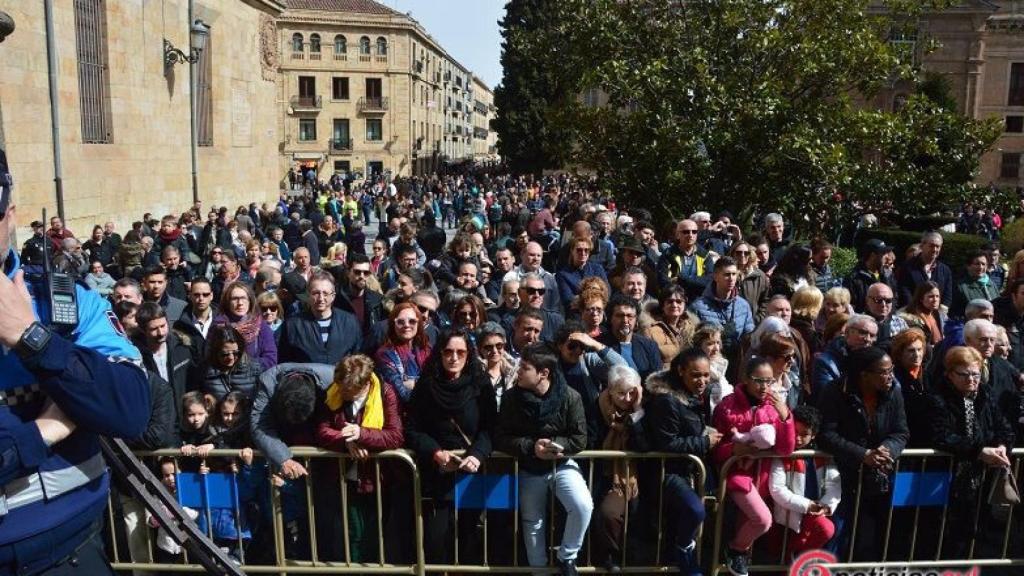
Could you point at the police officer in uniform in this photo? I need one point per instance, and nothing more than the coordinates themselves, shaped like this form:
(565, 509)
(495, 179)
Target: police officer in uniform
(58, 394)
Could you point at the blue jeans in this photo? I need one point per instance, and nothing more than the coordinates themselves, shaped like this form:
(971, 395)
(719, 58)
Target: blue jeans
(571, 490)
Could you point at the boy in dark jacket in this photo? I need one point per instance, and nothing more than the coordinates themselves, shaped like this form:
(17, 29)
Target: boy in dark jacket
(541, 422)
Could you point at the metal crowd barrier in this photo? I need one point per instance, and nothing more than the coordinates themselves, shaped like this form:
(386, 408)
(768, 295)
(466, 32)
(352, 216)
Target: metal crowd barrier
(585, 560)
(122, 560)
(905, 463)
(283, 564)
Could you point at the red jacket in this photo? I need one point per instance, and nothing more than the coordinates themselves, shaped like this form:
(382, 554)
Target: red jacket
(735, 412)
(390, 437)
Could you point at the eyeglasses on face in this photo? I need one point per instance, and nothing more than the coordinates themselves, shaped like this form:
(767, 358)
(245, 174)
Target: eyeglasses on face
(405, 322)
(688, 232)
(535, 291)
(360, 272)
(424, 310)
(496, 347)
(882, 300)
(453, 353)
(765, 381)
(321, 294)
(269, 309)
(968, 375)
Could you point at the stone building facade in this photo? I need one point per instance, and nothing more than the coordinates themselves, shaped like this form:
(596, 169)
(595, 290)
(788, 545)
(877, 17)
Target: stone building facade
(366, 89)
(980, 53)
(124, 117)
(485, 140)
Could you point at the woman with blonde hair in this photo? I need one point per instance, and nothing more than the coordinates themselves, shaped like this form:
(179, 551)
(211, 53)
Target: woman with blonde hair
(966, 421)
(336, 255)
(807, 303)
(834, 301)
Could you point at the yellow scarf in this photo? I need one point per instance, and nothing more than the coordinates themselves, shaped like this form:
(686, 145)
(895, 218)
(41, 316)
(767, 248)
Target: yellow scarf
(373, 411)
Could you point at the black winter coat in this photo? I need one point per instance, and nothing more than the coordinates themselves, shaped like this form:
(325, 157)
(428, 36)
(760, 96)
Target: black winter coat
(162, 430)
(847, 434)
(181, 366)
(518, 430)
(675, 422)
(243, 378)
(430, 427)
(948, 430)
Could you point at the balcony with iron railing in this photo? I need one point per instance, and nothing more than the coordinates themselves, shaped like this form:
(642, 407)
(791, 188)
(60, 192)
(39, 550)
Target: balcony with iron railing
(373, 105)
(305, 103)
(341, 145)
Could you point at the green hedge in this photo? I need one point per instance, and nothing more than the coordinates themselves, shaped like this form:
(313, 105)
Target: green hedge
(843, 261)
(955, 247)
(1011, 238)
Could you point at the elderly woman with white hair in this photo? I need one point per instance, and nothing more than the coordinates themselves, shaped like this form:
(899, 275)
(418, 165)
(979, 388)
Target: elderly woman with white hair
(616, 485)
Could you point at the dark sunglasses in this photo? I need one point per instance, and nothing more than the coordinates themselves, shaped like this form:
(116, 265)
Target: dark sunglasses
(535, 291)
(882, 300)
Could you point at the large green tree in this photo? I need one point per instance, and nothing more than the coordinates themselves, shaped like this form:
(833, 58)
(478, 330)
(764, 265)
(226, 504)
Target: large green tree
(756, 104)
(534, 86)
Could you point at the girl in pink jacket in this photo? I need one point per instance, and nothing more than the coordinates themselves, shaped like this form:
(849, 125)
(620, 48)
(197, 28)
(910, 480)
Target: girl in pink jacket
(747, 484)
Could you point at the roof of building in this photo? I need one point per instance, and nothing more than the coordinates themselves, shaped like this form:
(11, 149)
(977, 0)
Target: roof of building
(358, 6)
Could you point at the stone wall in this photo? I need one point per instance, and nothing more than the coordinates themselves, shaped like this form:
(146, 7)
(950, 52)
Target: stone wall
(147, 165)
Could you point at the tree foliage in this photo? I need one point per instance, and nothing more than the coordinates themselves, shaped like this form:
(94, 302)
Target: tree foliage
(745, 104)
(533, 86)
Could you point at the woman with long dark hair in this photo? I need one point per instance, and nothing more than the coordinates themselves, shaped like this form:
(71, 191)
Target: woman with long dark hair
(793, 271)
(228, 367)
(925, 311)
(451, 410)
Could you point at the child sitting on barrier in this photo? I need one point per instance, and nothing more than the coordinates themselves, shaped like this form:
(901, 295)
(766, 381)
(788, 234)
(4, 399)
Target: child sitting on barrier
(806, 491)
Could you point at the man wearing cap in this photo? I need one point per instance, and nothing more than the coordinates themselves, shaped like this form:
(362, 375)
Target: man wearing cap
(32, 249)
(62, 390)
(924, 267)
(868, 271)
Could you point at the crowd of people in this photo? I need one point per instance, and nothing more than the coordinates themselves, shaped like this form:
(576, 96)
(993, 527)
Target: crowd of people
(555, 321)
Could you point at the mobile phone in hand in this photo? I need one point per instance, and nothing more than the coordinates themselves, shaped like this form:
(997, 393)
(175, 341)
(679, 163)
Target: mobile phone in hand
(555, 447)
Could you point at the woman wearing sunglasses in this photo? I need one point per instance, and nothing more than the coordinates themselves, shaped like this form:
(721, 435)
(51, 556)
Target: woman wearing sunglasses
(227, 367)
(448, 424)
(405, 350)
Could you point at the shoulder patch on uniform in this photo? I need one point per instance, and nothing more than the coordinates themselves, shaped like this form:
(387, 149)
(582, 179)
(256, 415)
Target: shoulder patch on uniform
(115, 323)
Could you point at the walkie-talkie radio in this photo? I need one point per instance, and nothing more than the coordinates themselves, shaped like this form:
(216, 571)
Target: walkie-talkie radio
(60, 311)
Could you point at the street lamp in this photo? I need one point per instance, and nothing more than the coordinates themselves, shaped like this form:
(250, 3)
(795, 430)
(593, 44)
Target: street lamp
(6, 25)
(172, 55)
(199, 33)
